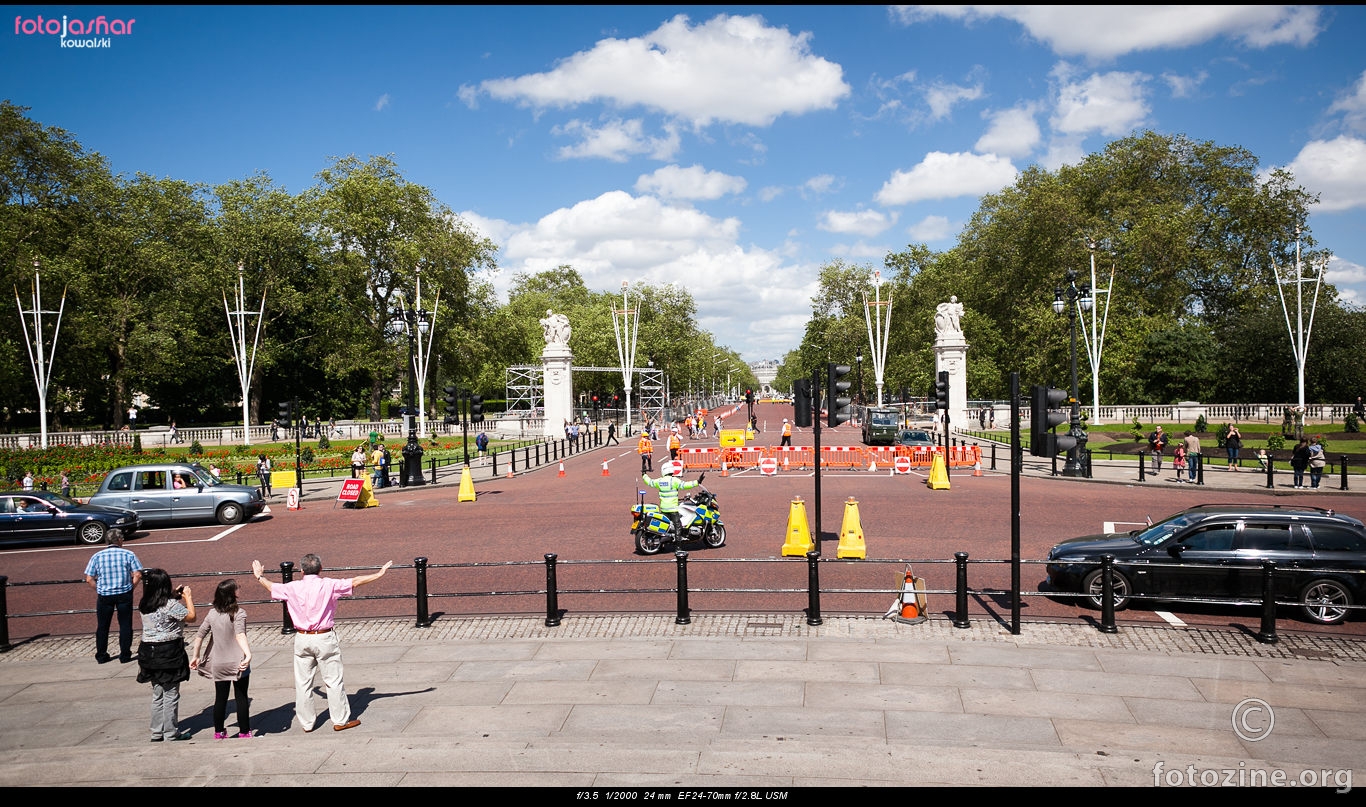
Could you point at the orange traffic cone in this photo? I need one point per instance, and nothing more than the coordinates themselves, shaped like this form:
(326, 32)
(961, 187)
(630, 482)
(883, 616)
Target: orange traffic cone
(872, 466)
(604, 470)
(510, 475)
(977, 469)
(723, 470)
(562, 469)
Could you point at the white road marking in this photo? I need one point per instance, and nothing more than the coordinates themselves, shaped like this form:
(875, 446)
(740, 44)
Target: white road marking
(1171, 619)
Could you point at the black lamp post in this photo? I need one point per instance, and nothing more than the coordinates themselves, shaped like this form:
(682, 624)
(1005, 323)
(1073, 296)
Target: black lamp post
(410, 321)
(1067, 299)
(859, 360)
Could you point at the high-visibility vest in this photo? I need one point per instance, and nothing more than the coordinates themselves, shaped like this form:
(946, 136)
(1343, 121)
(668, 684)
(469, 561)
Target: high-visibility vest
(644, 446)
(674, 442)
(787, 429)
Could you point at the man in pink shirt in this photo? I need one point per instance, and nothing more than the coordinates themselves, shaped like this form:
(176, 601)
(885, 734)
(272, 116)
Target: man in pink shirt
(312, 603)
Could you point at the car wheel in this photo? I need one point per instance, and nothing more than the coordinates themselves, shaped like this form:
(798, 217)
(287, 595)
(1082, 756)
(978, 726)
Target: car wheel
(91, 532)
(1326, 602)
(1092, 586)
(717, 536)
(230, 513)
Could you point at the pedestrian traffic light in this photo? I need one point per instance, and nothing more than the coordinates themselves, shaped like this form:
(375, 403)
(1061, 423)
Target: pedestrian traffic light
(801, 402)
(941, 390)
(476, 409)
(1043, 416)
(286, 414)
(452, 404)
(837, 409)
(749, 397)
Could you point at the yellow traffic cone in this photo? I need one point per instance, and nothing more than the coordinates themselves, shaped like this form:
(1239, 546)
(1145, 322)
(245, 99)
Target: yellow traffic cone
(367, 496)
(466, 485)
(798, 533)
(939, 476)
(851, 533)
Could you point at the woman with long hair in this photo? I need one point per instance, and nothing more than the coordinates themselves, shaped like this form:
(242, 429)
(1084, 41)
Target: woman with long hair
(162, 661)
(226, 660)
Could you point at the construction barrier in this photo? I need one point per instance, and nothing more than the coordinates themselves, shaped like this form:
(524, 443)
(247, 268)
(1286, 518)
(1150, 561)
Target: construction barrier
(880, 458)
(793, 457)
(843, 457)
(705, 459)
(741, 458)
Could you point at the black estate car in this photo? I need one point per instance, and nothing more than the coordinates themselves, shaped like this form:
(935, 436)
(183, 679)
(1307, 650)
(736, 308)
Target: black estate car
(1218, 550)
(40, 515)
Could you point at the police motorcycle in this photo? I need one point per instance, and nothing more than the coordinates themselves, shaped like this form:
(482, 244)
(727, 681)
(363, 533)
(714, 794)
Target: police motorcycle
(698, 512)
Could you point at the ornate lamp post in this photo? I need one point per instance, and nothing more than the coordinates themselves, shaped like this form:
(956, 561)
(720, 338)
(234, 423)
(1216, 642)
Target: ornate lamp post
(1075, 298)
(411, 320)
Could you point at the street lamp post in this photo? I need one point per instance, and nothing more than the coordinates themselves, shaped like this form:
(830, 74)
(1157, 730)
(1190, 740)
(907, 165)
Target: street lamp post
(1075, 298)
(859, 359)
(410, 320)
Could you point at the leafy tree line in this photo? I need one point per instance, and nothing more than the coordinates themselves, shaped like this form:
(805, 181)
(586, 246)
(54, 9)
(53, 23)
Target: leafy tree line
(1194, 235)
(149, 267)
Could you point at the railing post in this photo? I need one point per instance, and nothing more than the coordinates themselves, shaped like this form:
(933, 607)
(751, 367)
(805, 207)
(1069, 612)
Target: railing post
(813, 588)
(286, 575)
(1107, 594)
(552, 595)
(684, 616)
(424, 619)
(1344, 473)
(1267, 634)
(4, 615)
(960, 606)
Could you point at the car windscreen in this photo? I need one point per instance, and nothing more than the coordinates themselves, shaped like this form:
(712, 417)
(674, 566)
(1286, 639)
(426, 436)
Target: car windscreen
(1163, 530)
(202, 476)
(884, 419)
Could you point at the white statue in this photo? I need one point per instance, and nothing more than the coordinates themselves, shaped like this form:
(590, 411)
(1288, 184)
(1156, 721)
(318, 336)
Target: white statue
(556, 328)
(947, 318)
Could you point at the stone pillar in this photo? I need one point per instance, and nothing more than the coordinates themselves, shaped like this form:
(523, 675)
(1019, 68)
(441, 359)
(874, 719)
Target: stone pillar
(559, 388)
(951, 355)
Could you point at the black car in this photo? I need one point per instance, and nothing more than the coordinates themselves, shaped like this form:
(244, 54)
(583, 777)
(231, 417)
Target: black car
(916, 438)
(1216, 551)
(40, 515)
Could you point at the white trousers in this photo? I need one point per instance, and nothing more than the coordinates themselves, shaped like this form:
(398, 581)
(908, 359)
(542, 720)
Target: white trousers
(319, 653)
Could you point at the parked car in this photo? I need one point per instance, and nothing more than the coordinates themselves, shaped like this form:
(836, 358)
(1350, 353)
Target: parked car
(178, 492)
(880, 426)
(915, 437)
(1217, 551)
(40, 515)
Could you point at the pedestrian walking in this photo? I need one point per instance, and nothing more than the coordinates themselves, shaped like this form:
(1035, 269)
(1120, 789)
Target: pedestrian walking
(675, 444)
(312, 604)
(787, 434)
(1179, 461)
(113, 572)
(1157, 443)
(222, 654)
(66, 485)
(646, 450)
(612, 435)
(162, 661)
(358, 462)
(263, 474)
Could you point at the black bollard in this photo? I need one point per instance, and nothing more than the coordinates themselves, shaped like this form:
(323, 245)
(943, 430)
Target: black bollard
(1142, 466)
(552, 595)
(1199, 469)
(286, 575)
(424, 619)
(4, 615)
(1270, 470)
(813, 587)
(960, 609)
(1107, 594)
(684, 616)
(1267, 635)
(1343, 486)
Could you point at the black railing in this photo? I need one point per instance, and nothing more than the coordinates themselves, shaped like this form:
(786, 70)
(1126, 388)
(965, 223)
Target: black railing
(423, 595)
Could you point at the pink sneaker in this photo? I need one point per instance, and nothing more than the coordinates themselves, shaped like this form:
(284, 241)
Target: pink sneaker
(245, 735)
(220, 735)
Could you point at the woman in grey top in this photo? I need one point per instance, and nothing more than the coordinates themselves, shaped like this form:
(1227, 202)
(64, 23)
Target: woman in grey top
(227, 659)
(162, 661)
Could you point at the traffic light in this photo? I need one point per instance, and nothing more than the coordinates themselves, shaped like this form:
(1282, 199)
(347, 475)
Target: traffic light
(595, 405)
(941, 390)
(749, 397)
(286, 414)
(837, 410)
(1043, 416)
(801, 402)
(476, 409)
(452, 404)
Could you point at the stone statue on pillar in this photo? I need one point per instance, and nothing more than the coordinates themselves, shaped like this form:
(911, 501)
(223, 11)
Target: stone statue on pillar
(951, 356)
(557, 382)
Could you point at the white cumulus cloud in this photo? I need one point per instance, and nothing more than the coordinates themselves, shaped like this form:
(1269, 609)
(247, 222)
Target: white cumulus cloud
(945, 176)
(694, 182)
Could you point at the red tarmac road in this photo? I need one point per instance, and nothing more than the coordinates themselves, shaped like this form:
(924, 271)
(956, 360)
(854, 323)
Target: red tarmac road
(584, 516)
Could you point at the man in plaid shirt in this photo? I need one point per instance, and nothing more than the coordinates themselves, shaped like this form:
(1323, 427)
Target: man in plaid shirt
(113, 572)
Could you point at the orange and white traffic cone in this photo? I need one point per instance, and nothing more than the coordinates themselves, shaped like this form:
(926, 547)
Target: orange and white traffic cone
(723, 470)
(977, 468)
(872, 466)
(604, 469)
(562, 469)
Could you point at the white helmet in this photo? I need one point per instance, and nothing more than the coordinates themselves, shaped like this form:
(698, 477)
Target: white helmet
(671, 468)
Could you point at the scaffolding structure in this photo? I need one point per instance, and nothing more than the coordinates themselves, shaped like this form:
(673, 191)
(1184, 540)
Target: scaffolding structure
(524, 386)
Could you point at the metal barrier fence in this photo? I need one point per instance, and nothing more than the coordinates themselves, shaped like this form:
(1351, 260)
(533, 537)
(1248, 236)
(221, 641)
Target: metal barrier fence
(422, 595)
(835, 457)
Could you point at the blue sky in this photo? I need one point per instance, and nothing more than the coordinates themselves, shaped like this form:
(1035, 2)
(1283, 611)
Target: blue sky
(731, 149)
